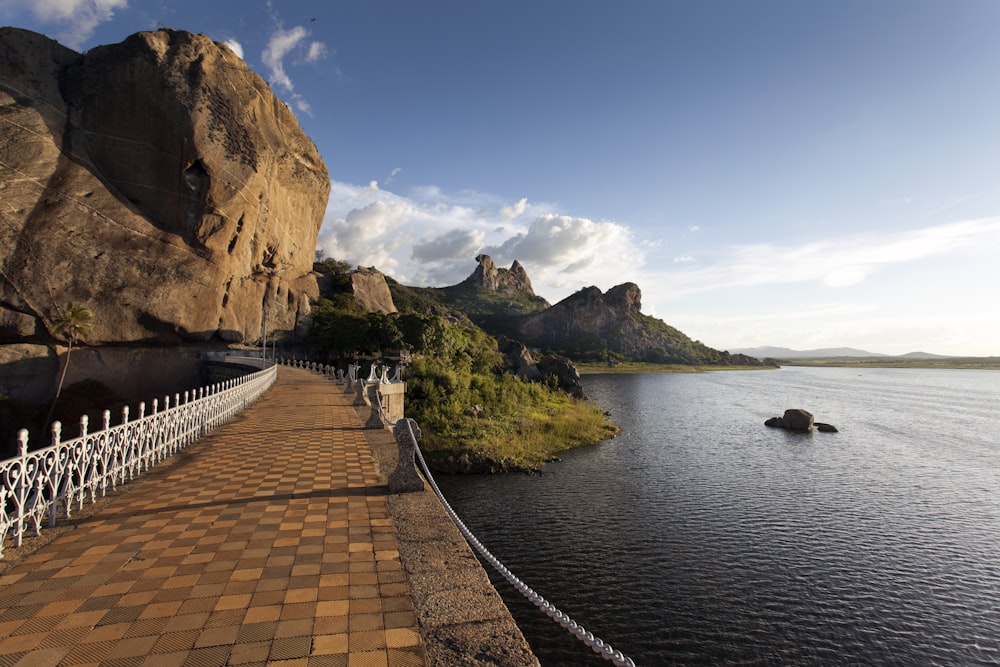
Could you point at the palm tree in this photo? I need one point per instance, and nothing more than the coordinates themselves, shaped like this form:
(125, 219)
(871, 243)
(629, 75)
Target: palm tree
(73, 322)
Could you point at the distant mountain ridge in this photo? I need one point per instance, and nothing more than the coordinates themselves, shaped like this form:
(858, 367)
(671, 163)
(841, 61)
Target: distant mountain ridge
(770, 352)
(589, 325)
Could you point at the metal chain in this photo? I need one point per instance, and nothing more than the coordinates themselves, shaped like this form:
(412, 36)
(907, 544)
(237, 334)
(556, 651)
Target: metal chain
(597, 645)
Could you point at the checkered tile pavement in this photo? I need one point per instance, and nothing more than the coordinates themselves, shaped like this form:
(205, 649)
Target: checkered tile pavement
(267, 542)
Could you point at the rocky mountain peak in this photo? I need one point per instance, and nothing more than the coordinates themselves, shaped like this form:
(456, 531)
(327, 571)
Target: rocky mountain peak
(489, 276)
(626, 296)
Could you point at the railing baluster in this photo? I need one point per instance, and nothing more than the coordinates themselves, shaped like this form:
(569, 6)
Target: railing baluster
(36, 484)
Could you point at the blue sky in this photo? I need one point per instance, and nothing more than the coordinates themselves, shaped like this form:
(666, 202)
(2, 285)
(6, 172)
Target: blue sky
(769, 172)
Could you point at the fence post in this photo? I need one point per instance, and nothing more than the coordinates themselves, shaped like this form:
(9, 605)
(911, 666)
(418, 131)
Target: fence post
(405, 479)
(375, 417)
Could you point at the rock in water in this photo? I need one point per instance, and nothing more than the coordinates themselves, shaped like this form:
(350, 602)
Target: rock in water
(157, 181)
(797, 419)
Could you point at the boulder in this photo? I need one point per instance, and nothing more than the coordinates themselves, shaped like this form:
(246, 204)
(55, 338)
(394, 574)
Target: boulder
(371, 291)
(797, 419)
(517, 359)
(160, 183)
(562, 368)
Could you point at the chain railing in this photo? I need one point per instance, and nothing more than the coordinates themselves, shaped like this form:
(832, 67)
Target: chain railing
(604, 650)
(49, 481)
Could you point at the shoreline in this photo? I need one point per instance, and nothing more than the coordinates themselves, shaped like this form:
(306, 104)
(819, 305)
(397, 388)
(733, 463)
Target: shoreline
(636, 367)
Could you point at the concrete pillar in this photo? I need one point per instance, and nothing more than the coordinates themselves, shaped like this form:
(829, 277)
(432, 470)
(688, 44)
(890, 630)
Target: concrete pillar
(405, 478)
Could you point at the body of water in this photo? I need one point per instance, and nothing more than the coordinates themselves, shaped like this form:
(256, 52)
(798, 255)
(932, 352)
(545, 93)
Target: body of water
(700, 536)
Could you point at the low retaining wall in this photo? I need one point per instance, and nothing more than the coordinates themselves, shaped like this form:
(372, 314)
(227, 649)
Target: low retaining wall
(463, 619)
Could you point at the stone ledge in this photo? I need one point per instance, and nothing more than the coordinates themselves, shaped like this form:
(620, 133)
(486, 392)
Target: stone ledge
(463, 620)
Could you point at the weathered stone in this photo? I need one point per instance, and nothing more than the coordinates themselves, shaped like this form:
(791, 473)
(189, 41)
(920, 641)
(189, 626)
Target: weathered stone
(163, 186)
(491, 277)
(517, 359)
(371, 291)
(593, 320)
(797, 419)
(825, 428)
(775, 422)
(565, 373)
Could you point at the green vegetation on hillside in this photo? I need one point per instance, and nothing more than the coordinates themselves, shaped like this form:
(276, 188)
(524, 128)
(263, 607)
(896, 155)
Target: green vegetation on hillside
(464, 403)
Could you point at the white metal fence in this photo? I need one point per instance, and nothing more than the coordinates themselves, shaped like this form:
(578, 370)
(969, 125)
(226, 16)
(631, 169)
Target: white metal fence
(47, 482)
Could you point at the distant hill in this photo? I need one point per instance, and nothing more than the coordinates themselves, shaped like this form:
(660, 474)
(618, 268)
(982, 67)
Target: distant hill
(788, 353)
(768, 352)
(588, 326)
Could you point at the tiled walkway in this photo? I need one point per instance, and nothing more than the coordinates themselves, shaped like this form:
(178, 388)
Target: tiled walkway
(267, 542)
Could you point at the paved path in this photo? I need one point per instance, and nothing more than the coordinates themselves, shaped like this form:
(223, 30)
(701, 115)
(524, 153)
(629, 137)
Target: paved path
(267, 542)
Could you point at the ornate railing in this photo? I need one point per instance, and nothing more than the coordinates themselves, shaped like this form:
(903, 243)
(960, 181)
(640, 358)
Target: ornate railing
(48, 482)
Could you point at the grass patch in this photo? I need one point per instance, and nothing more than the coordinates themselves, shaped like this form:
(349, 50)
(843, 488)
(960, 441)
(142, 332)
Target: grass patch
(496, 417)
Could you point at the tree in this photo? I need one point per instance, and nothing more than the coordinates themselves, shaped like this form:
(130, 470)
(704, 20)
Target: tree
(73, 323)
(383, 334)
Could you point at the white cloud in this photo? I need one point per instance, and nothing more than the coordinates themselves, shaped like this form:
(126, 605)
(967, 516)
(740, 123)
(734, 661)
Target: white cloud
(432, 238)
(235, 46)
(81, 17)
(392, 176)
(515, 210)
(316, 51)
(281, 43)
(683, 260)
(455, 243)
(838, 262)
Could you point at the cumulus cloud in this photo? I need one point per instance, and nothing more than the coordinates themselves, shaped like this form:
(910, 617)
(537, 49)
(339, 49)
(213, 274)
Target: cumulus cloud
(235, 47)
(455, 243)
(515, 210)
(80, 17)
(432, 238)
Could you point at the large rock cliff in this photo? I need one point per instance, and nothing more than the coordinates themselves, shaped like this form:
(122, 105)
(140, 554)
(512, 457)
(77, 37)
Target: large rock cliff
(590, 324)
(160, 183)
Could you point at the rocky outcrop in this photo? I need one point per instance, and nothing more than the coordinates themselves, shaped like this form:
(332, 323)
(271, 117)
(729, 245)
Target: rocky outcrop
(160, 183)
(799, 420)
(371, 291)
(565, 373)
(592, 320)
(517, 360)
(489, 276)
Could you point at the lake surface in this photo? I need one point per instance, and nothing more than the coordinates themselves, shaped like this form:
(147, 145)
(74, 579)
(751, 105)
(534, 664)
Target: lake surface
(701, 537)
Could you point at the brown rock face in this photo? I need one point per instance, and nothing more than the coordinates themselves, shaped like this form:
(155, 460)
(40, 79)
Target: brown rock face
(371, 290)
(491, 277)
(160, 183)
